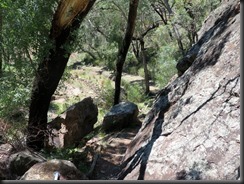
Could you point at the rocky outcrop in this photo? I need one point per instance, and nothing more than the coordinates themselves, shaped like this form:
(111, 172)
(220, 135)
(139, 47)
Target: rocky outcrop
(120, 116)
(46, 170)
(193, 129)
(72, 125)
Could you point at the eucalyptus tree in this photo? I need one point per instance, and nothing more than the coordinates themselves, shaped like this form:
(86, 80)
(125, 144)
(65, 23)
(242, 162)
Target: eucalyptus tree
(164, 8)
(124, 47)
(66, 20)
(102, 32)
(183, 18)
(107, 23)
(146, 23)
(187, 17)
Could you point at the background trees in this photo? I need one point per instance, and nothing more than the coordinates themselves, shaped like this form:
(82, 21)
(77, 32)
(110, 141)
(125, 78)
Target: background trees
(25, 28)
(164, 31)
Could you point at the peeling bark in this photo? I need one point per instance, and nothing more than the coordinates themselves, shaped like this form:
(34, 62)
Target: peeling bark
(67, 19)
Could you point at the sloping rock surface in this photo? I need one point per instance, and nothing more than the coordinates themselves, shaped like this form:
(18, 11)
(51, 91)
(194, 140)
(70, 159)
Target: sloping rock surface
(193, 129)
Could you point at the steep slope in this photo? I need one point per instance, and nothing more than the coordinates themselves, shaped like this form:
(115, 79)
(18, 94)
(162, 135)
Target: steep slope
(193, 129)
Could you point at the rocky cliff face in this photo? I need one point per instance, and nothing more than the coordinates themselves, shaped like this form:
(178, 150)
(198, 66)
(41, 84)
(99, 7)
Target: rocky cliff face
(193, 129)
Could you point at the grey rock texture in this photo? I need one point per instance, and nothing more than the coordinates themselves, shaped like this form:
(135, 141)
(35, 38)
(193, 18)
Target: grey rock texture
(193, 129)
(45, 171)
(120, 116)
(71, 126)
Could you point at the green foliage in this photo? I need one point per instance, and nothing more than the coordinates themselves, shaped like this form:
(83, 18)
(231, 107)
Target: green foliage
(166, 62)
(13, 129)
(60, 153)
(134, 92)
(140, 72)
(130, 92)
(102, 33)
(25, 29)
(131, 65)
(106, 95)
(101, 113)
(109, 56)
(58, 108)
(25, 42)
(15, 93)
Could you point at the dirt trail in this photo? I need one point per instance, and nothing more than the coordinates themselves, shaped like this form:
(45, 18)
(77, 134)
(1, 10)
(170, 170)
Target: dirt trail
(110, 151)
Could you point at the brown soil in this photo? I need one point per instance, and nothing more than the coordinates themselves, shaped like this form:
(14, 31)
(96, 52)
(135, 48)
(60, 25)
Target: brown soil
(110, 151)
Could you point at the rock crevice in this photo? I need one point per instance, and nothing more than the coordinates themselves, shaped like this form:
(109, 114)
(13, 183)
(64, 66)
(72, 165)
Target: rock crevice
(193, 129)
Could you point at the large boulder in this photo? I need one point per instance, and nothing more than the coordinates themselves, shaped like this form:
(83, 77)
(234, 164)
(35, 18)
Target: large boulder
(120, 116)
(14, 163)
(193, 129)
(71, 126)
(46, 170)
(22, 161)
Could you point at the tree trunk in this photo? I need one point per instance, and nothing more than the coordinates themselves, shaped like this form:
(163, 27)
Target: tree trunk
(1, 45)
(124, 48)
(143, 56)
(140, 54)
(192, 30)
(179, 40)
(67, 18)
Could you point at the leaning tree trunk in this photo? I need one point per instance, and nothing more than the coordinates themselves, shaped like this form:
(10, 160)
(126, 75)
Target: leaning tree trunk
(124, 48)
(67, 18)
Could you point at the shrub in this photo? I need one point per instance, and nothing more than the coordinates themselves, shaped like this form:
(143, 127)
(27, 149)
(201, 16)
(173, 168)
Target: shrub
(133, 92)
(106, 95)
(166, 63)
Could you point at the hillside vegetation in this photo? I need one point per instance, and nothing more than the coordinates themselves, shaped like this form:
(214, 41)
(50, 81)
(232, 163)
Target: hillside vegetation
(54, 54)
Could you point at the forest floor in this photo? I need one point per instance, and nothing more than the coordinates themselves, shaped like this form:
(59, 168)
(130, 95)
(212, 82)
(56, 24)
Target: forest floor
(90, 81)
(107, 150)
(108, 153)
